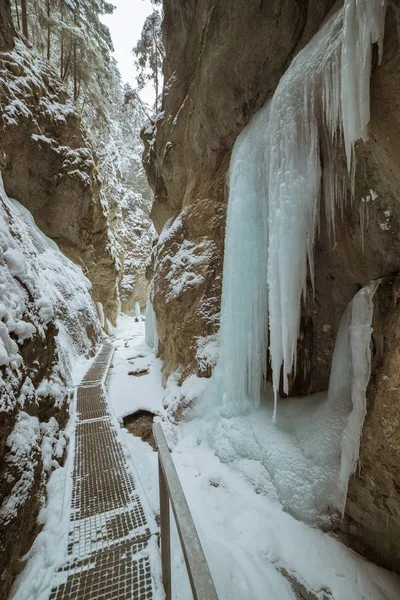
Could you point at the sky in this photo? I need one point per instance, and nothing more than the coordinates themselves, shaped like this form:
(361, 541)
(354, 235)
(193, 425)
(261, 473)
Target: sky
(126, 25)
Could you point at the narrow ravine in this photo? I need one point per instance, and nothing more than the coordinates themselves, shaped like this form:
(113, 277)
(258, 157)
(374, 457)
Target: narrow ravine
(200, 228)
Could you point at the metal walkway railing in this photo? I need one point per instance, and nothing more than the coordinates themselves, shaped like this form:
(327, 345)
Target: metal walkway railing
(171, 491)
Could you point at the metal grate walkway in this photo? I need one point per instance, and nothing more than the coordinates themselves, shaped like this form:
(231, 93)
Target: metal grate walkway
(110, 530)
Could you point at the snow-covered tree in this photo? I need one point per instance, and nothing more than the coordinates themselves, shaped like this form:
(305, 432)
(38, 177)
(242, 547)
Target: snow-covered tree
(149, 55)
(70, 34)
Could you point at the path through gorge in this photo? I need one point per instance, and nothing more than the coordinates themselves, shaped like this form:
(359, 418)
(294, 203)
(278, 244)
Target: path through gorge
(111, 551)
(103, 539)
(204, 236)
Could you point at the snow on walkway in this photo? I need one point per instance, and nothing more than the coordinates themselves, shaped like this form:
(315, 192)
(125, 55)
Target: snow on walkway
(112, 551)
(255, 550)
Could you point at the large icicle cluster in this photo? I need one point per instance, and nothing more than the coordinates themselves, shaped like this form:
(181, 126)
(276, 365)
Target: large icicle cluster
(276, 180)
(305, 459)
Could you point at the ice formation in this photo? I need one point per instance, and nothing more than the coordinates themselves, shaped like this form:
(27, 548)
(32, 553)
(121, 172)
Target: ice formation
(244, 314)
(364, 24)
(305, 459)
(137, 310)
(100, 310)
(151, 327)
(352, 357)
(276, 180)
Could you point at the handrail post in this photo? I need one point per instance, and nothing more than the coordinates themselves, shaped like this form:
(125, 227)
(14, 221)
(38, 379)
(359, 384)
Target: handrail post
(165, 533)
(171, 492)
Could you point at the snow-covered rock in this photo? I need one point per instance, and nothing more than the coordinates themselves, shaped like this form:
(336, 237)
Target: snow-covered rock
(49, 165)
(48, 320)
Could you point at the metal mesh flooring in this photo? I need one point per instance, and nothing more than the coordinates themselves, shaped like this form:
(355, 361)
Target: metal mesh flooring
(109, 532)
(122, 573)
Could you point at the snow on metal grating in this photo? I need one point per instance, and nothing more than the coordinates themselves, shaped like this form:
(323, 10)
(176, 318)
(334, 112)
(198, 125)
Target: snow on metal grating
(95, 373)
(104, 530)
(99, 367)
(102, 481)
(108, 526)
(91, 403)
(120, 573)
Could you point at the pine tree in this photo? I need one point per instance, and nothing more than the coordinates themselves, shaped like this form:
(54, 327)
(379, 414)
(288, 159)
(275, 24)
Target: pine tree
(70, 34)
(149, 55)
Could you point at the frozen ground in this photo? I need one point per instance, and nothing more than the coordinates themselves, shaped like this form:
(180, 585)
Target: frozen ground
(247, 536)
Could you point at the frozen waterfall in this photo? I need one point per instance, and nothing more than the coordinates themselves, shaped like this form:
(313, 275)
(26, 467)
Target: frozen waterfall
(151, 335)
(306, 458)
(276, 180)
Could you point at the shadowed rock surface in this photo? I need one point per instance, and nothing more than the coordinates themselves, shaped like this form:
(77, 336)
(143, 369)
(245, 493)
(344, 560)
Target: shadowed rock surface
(49, 166)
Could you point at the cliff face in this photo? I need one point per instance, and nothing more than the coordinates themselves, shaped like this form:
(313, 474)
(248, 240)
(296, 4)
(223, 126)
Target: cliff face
(48, 165)
(135, 233)
(223, 60)
(47, 315)
(47, 319)
(220, 68)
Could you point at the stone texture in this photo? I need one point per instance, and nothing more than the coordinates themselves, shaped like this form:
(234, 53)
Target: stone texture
(135, 233)
(6, 28)
(223, 60)
(19, 527)
(48, 165)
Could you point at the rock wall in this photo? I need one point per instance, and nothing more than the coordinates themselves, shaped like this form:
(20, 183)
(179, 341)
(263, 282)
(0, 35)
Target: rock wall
(223, 60)
(6, 28)
(48, 165)
(47, 319)
(220, 68)
(135, 233)
(47, 316)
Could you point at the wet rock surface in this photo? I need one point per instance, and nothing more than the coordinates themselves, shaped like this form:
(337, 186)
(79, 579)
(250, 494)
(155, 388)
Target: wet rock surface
(140, 424)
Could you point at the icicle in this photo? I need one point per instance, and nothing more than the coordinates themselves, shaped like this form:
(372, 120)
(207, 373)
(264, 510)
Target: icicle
(244, 314)
(100, 311)
(350, 373)
(137, 311)
(364, 24)
(151, 335)
(294, 185)
(275, 188)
